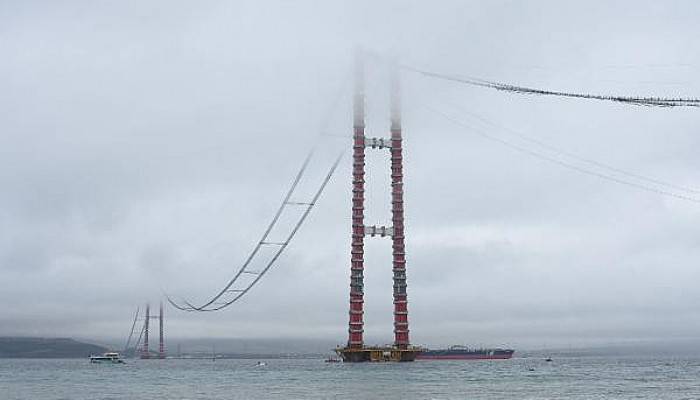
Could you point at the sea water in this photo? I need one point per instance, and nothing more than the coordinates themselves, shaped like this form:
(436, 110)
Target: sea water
(518, 378)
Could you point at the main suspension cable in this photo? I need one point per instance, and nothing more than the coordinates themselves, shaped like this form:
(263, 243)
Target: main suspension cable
(138, 341)
(260, 243)
(263, 241)
(282, 246)
(562, 163)
(565, 153)
(222, 298)
(131, 333)
(633, 100)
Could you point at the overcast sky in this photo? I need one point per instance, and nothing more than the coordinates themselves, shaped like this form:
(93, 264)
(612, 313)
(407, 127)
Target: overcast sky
(144, 145)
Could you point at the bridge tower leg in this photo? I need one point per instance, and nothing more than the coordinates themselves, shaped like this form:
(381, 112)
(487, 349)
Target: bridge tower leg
(398, 247)
(356, 323)
(161, 343)
(145, 354)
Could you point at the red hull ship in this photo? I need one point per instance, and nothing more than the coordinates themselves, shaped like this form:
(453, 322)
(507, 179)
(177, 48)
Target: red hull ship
(465, 353)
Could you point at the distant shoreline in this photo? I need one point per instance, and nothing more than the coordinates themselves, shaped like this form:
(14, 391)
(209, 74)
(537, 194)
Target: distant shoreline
(46, 348)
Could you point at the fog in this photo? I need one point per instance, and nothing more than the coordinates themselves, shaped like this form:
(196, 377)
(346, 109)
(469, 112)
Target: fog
(144, 146)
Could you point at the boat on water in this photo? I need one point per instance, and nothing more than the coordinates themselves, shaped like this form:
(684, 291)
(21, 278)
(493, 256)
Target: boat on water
(465, 353)
(107, 358)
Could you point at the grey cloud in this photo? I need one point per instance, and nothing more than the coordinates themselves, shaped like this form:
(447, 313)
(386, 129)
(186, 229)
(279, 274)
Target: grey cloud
(143, 146)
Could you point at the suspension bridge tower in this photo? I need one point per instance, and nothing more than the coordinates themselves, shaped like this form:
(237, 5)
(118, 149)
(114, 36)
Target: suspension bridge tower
(145, 351)
(355, 350)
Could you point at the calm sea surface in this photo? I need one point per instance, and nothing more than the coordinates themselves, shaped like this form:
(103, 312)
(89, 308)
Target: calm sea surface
(571, 378)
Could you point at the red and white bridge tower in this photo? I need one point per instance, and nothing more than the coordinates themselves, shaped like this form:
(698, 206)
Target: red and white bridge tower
(356, 351)
(145, 351)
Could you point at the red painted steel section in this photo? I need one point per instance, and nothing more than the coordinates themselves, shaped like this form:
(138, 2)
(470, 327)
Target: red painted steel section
(356, 322)
(401, 339)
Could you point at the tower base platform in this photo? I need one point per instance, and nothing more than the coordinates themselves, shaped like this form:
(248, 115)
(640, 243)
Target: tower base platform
(377, 354)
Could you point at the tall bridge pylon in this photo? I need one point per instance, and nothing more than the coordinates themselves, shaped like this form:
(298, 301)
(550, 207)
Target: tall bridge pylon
(145, 351)
(355, 350)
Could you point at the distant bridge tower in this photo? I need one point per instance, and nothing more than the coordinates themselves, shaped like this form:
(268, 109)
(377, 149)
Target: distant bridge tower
(145, 351)
(356, 351)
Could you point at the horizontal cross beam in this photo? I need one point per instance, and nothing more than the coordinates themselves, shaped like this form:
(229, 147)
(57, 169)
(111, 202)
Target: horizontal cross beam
(381, 231)
(378, 143)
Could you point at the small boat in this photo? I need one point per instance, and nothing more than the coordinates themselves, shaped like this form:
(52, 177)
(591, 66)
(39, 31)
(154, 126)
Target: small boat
(106, 358)
(332, 360)
(548, 359)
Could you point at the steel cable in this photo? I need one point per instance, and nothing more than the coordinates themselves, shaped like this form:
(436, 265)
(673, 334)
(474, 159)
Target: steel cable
(277, 254)
(213, 303)
(576, 157)
(131, 333)
(634, 100)
(241, 292)
(260, 243)
(560, 162)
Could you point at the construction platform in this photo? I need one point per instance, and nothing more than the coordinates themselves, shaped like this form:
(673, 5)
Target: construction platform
(377, 354)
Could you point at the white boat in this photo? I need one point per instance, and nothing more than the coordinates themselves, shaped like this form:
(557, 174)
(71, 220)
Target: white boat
(106, 358)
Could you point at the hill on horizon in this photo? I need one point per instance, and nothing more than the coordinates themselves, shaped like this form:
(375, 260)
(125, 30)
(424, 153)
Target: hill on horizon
(36, 347)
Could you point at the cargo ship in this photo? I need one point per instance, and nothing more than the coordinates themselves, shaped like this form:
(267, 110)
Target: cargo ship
(465, 353)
